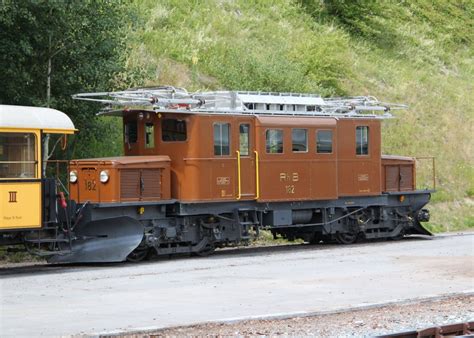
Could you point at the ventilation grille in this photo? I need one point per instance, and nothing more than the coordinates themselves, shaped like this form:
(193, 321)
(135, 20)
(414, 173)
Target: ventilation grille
(130, 184)
(138, 184)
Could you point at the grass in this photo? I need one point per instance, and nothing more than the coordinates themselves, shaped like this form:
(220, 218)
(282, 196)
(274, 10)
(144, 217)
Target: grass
(419, 53)
(451, 216)
(17, 257)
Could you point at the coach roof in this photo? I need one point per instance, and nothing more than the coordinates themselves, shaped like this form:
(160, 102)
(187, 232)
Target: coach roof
(47, 119)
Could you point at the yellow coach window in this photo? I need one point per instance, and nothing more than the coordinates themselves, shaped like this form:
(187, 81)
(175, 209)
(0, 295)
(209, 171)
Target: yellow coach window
(17, 155)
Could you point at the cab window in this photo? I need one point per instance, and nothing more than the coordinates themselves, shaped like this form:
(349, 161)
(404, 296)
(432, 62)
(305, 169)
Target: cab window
(18, 155)
(221, 139)
(173, 130)
(274, 141)
(149, 135)
(131, 132)
(324, 141)
(244, 141)
(362, 140)
(299, 139)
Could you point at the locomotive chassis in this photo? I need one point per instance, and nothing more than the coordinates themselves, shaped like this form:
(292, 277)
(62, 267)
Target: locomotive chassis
(172, 227)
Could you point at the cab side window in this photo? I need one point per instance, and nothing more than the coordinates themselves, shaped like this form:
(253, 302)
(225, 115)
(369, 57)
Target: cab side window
(173, 130)
(299, 139)
(244, 140)
(149, 135)
(274, 141)
(131, 132)
(221, 139)
(324, 141)
(362, 140)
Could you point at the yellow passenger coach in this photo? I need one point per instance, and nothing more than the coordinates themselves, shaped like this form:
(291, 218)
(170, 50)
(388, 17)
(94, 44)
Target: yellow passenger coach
(22, 130)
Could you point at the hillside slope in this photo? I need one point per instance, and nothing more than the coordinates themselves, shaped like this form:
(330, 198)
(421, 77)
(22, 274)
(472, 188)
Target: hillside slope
(418, 52)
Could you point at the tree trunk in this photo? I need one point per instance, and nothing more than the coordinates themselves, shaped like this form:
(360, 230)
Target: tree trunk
(48, 102)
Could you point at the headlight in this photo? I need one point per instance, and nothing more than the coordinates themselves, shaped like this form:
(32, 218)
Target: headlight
(104, 176)
(73, 176)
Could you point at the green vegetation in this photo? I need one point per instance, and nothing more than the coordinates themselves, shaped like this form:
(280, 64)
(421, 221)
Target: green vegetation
(81, 44)
(452, 216)
(415, 52)
(17, 257)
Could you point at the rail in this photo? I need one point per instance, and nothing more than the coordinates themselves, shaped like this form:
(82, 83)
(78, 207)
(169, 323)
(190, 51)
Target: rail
(448, 330)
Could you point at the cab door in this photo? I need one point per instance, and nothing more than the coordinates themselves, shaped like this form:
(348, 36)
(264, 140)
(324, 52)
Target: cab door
(246, 159)
(20, 180)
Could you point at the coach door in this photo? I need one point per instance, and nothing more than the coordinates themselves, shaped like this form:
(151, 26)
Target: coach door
(246, 160)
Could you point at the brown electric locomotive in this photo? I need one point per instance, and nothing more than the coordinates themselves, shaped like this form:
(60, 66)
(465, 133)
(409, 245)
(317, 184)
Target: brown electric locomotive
(210, 169)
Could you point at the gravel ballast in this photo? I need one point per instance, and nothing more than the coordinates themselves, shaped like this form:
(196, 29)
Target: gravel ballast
(364, 322)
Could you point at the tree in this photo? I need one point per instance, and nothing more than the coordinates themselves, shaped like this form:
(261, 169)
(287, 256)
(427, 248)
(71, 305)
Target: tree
(62, 48)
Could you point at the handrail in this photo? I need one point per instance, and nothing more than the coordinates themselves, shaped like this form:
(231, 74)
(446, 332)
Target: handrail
(239, 187)
(18, 162)
(257, 176)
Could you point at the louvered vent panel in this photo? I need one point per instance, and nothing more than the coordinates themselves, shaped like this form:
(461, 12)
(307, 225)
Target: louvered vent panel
(391, 178)
(130, 184)
(151, 183)
(406, 177)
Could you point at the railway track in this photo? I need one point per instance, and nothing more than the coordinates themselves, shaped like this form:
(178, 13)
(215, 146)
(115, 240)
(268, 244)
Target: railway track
(10, 269)
(366, 321)
(447, 330)
(250, 282)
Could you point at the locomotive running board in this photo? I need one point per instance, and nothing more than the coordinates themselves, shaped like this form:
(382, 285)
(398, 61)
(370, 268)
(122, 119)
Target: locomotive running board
(104, 241)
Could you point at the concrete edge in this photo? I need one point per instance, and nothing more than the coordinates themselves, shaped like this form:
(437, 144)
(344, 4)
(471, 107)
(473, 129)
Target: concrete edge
(286, 315)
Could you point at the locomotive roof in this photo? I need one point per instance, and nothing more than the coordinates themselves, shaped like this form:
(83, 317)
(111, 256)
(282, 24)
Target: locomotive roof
(127, 159)
(298, 121)
(178, 100)
(24, 117)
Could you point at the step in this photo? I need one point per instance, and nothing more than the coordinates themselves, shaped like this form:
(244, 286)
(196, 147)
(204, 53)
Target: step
(47, 240)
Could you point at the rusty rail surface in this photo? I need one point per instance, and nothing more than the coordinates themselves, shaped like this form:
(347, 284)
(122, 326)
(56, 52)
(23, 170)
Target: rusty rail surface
(448, 330)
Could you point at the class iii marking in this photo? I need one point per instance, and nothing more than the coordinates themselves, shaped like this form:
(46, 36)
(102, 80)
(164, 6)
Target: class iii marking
(12, 197)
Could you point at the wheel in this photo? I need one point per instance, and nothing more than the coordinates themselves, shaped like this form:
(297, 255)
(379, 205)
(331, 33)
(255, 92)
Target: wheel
(138, 254)
(316, 239)
(398, 237)
(346, 237)
(206, 251)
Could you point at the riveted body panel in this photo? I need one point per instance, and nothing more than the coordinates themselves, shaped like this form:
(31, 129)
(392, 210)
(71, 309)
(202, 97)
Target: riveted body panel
(199, 174)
